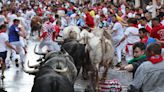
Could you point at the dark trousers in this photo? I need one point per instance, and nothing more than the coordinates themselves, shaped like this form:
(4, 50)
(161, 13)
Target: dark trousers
(3, 55)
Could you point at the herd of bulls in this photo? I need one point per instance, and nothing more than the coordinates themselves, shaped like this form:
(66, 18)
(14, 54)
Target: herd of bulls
(57, 71)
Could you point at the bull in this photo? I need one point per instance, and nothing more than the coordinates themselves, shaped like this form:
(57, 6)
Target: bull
(100, 47)
(56, 73)
(76, 49)
(36, 24)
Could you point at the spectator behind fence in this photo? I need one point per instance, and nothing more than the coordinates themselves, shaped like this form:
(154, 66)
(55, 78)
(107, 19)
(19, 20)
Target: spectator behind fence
(139, 57)
(149, 75)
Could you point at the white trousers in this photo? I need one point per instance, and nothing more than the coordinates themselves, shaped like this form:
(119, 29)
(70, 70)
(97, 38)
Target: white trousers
(119, 50)
(52, 46)
(17, 45)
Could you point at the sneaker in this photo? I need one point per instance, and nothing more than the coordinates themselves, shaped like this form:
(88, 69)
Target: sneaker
(2, 77)
(16, 63)
(8, 66)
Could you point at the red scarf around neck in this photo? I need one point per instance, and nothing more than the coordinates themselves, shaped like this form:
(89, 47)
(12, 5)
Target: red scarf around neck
(2, 31)
(134, 25)
(145, 39)
(155, 59)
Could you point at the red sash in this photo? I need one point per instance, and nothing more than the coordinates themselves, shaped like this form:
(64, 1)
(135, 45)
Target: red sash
(126, 48)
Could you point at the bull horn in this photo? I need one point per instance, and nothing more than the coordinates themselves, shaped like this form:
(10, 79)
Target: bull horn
(38, 53)
(61, 71)
(59, 42)
(33, 66)
(64, 51)
(30, 71)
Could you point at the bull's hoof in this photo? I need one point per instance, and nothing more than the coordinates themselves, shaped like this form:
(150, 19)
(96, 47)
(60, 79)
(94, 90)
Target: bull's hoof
(88, 89)
(97, 89)
(85, 76)
(103, 79)
(2, 90)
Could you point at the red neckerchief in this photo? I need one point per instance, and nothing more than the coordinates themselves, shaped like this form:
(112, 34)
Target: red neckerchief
(134, 25)
(148, 28)
(2, 31)
(145, 39)
(155, 59)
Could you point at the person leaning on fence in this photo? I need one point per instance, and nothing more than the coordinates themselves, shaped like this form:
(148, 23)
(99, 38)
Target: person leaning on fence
(139, 57)
(149, 75)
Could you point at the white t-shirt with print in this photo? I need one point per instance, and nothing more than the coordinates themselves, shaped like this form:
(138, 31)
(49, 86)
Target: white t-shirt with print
(3, 39)
(131, 33)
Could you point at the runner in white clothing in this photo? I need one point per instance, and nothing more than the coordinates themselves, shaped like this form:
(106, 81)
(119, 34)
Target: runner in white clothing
(131, 36)
(117, 34)
(3, 47)
(47, 37)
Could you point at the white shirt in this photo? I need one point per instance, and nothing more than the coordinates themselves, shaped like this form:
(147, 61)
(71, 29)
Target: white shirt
(149, 8)
(131, 15)
(30, 14)
(11, 18)
(130, 32)
(73, 20)
(3, 39)
(105, 11)
(22, 21)
(118, 31)
(123, 9)
(2, 19)
(63, 22)
(1, 6)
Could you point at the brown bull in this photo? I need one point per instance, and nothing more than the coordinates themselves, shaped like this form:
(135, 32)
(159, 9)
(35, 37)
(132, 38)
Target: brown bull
(36, 25)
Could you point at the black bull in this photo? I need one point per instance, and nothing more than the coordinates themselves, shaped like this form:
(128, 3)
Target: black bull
(56, 74)
(80, 57)
(77, 52)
